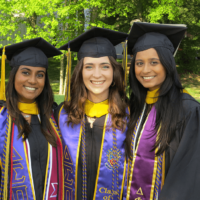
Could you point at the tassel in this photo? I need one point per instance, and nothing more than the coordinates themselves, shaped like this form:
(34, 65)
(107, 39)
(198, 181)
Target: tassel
(3, 93)
(124, 62)
(68, 75)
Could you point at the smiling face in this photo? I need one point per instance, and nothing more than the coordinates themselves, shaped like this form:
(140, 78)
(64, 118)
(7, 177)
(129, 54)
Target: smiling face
(148, 69)
(29, 83)
(97, 76)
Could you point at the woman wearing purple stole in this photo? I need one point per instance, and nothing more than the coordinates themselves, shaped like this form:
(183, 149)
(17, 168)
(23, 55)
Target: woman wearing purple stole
(93, 122)
(30, 145)
(163, 137)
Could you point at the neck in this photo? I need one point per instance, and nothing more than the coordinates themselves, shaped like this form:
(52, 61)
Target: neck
(96, 98)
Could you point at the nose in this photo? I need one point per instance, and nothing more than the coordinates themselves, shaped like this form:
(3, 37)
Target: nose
(97, 72)
(146, 68)
(32, 79)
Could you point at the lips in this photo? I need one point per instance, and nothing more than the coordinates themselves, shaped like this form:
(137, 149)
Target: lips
(97, 82)
(148, 77)
(30, 88)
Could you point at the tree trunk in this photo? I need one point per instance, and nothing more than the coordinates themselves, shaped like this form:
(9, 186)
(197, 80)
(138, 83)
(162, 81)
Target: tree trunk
(61, 74)
(32, 20)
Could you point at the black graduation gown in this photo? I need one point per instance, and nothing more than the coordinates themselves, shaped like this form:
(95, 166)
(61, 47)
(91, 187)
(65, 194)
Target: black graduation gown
(93, 146)
(38, 152)
(183, 156)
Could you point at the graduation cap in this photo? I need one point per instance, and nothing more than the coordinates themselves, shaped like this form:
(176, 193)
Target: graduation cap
(96, 42)
(148, 35)
(34, 52)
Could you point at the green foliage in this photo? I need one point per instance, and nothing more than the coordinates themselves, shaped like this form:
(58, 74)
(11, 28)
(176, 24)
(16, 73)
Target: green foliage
(59, 21)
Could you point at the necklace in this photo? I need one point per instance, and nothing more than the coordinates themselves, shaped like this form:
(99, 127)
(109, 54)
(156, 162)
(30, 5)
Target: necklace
(91, 121)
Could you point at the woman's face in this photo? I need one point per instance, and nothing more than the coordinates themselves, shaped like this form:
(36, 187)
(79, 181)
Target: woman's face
(148, 69)
(29, 83)
(97, 76)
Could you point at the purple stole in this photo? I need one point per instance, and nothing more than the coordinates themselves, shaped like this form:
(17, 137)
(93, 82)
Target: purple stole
(106, 186)
(19, 183)
(145, 172)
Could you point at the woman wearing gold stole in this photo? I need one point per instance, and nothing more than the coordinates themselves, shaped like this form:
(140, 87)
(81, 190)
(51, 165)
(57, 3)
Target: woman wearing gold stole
(93, 122)
(30, 146)
(163, 134)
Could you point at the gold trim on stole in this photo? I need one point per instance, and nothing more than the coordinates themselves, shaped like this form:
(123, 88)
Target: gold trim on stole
(163, 171)
(59, 114)
(45, 182)
(5, 192)
(1, 109)
(77, 156)
(123, 179)
(52, 124)
(29, 173)
(101, 151)
(154, 176)
(133, 162)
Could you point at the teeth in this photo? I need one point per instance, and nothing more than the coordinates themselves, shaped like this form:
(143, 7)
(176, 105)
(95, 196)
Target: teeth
(30, 88)
(148, 77)
(97, 83)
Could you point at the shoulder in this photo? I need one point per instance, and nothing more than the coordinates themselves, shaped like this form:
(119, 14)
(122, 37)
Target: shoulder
(189, 103)
(2, 103)
(2, 106)
(57, 111)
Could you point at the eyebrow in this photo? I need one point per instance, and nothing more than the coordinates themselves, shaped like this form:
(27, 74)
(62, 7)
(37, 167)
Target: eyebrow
(30, 70)
(100, 63)
(149, 59)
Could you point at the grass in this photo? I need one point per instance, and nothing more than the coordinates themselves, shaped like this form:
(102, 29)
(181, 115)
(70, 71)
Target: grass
(191, 82)
(58, 98)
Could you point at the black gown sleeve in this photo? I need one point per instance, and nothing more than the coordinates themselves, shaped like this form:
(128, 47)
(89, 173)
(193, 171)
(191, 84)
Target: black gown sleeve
(183, 158)
(2, 103)
(56, 111)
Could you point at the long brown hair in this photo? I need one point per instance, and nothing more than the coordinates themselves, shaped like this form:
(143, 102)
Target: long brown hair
(44, 102)
(117, 96)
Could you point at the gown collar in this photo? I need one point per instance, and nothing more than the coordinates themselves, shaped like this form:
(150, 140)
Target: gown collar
(96, 109)
(28, 108)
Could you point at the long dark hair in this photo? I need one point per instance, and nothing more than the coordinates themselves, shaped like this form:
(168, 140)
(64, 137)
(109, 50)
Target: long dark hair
(117, 96)
(44, 102)
(168, 106)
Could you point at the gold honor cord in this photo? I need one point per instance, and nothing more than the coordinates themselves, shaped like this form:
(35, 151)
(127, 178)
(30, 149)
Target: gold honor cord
(124, 62)
(68, 76)
(3, 93)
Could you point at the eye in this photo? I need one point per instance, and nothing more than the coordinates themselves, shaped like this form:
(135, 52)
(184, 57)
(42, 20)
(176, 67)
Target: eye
(154, 63)
(105, 67)
(88, 67)
(25, 73)
(40, 75)
(139, 64)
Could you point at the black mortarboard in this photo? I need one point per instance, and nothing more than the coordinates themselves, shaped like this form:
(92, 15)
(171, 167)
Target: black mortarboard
(148, 35)
(32, 52)
(96, 42)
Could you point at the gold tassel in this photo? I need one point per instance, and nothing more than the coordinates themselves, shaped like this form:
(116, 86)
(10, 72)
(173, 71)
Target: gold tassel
(68, 75)
(124, 62)
(3, 93)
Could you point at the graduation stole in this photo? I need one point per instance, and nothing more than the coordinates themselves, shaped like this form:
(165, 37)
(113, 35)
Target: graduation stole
(18, 184)
(146, 171)
(112, 163)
